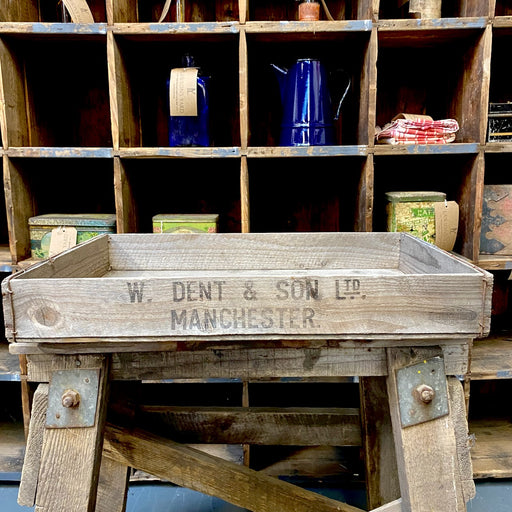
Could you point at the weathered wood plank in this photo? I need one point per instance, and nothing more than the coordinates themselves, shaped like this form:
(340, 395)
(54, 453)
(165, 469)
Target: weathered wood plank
(30, 472)
(9, 364)
(112, 486)
(12, 446)
(68, 485)
(178, 152)
(492, 453)
(198, 471)
(303, 152)
(429, 478)
(394, 506)
(316, 27)
(20, 208)
(269, 304)
(244, 196)
(255, 425)
(460, 424)
(251, 363)
(382, 484)
(491, 358)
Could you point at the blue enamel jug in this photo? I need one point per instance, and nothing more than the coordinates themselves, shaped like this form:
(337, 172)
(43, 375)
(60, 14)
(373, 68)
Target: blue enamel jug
(308, 117)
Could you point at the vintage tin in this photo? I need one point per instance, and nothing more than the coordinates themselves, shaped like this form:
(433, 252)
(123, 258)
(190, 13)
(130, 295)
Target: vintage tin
(500, 122)
(414, 213)
(496, 232)
(186, 223)
(87, 225)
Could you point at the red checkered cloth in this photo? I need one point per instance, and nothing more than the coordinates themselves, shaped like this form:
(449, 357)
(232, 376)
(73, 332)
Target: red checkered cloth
(418, 131)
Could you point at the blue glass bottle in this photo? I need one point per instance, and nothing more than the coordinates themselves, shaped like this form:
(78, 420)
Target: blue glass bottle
(186, 131)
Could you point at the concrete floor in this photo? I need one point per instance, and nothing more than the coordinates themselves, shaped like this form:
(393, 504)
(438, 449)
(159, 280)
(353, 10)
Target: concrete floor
(495, 496)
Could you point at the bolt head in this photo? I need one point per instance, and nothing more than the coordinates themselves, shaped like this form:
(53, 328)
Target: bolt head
(70, 398)
(425, 393)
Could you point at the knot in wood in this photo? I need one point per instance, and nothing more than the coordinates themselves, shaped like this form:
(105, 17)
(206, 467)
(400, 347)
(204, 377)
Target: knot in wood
(70, 398)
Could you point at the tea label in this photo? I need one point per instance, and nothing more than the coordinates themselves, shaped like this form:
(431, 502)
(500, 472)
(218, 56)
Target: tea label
(63, 237)
(79, 11)
(183, 92)
(447, 222)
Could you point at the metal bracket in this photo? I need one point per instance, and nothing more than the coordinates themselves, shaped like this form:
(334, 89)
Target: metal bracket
(422, 392)
(72, 398)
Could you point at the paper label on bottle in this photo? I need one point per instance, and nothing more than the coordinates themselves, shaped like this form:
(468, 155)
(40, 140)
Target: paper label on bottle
(63, 237)
(79, 11)
(447, 223)
(183, 92)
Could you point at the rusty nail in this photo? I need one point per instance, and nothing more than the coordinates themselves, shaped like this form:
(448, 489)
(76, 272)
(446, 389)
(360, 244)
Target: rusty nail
(70, 398)
(425, 393)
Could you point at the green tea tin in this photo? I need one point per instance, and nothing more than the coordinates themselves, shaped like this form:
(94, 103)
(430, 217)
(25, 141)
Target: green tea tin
(87, 225)
(414, 213)
(186, 223)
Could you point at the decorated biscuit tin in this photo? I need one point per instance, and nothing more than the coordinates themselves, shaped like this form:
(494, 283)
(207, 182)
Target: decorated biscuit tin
(186, 223)
(414, 213)
(87, 225)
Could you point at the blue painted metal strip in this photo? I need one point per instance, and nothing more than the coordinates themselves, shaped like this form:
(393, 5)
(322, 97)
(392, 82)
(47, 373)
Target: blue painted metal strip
(69, 28)
(209, 27)
(305, 151)
(60, 152)
(427, 149)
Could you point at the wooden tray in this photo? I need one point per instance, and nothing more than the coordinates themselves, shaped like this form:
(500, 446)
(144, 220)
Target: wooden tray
(150, 287)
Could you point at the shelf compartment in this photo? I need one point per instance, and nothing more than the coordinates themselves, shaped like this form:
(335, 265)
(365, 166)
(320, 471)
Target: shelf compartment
(449, 173)
(287, 198)
(265, 108)
(147, 187)
(35, 186)
(500, 90)
(37, 11)
(491, 358)
(144, 11)
(453, 84)
(139, 93)
(56, 87)
(267, 10)
(503, 9)
(9, 364)
(456, 9)
(492, 453)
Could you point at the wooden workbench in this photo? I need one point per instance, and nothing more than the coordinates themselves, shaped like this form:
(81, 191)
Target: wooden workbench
(384, 307)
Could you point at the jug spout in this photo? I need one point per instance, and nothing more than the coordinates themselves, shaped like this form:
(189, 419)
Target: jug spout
(281, 74)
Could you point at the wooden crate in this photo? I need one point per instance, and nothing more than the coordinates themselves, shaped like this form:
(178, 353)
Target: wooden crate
(146, 287)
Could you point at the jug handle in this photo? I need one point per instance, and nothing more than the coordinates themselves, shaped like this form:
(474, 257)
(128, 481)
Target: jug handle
(349, 83)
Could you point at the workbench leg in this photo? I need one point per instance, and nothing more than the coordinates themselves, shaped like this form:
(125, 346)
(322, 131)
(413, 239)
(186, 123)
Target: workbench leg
(112, 486)
(71, 456)
(428, 463)
(382, 484)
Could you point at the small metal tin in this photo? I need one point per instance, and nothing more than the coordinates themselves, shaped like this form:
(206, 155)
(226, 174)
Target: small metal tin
(88, 225)
(413, 213)
(186, 223)
(500, 122)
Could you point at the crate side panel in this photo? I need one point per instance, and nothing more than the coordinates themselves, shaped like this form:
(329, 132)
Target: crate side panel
(254, 251)
(239, 305)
